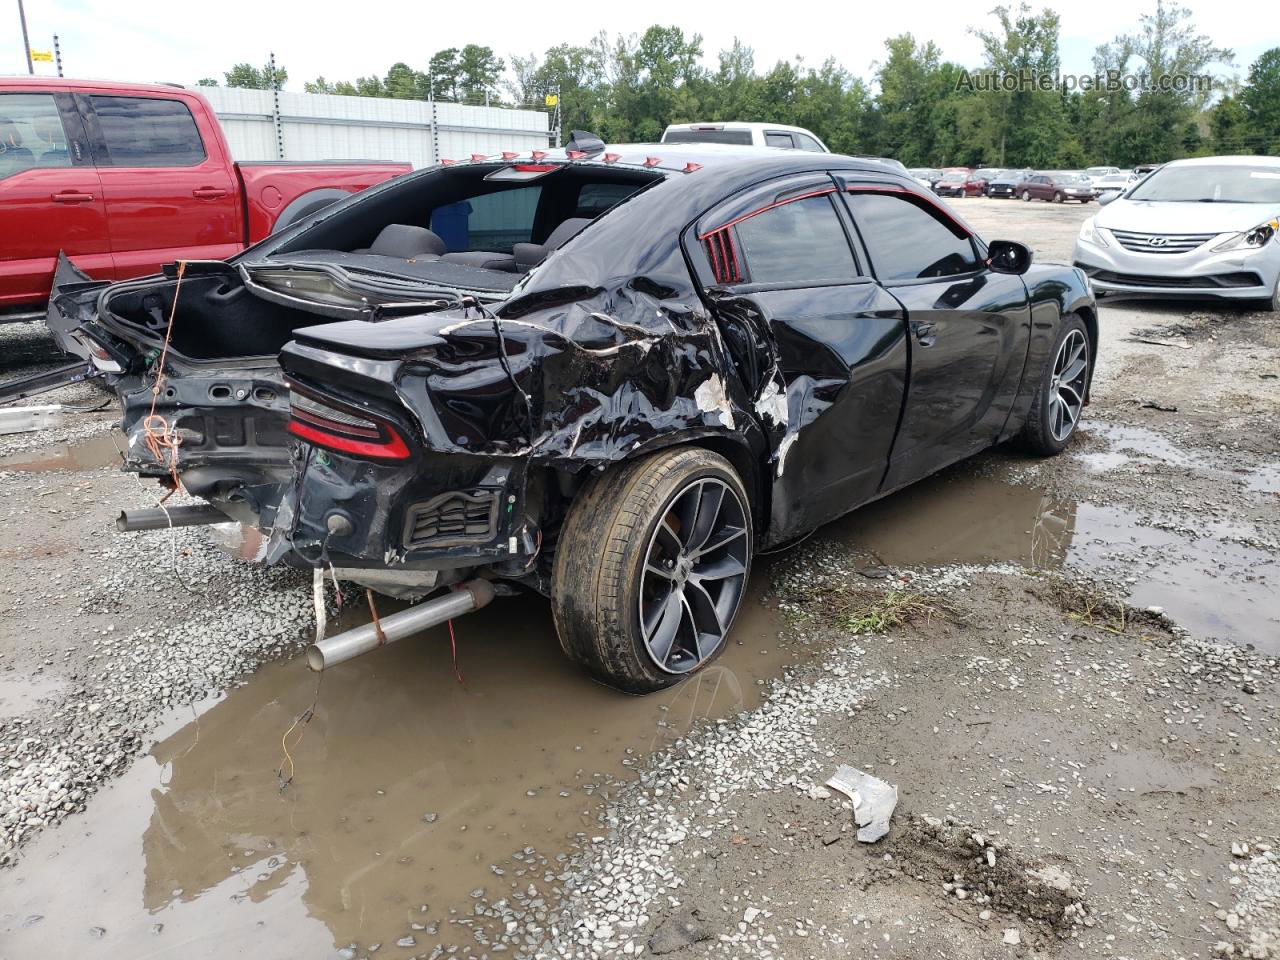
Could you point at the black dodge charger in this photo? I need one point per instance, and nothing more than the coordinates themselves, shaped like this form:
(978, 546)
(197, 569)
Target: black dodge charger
(609, 374)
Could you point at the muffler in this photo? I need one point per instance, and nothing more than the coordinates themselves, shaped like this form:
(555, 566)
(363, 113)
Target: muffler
(154, 518)
(349, 644)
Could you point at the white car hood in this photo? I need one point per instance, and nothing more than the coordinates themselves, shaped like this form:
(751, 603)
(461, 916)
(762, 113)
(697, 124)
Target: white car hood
(1156, 216)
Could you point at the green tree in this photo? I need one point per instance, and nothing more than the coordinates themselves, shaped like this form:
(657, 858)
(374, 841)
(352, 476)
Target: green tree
(478, 72)
(1027, 121)
(1260, 98)
(248, 76)
(445, 71)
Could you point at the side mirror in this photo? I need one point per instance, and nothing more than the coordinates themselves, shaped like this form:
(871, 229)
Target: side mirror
(1105, 198)
(1008, 256)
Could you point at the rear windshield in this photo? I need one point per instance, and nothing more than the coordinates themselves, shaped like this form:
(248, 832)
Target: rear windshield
(1211, 184)
(741, 137)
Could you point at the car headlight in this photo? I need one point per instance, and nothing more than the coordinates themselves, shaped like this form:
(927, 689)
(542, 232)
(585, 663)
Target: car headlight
(1251, 239)
(1091, 234)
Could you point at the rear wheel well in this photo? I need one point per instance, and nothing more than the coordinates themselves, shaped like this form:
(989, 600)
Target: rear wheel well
(1090, 317)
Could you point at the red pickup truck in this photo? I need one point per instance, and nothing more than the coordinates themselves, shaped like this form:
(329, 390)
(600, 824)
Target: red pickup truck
(125, 177)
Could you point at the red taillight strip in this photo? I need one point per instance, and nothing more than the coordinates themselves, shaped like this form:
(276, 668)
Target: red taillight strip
(394, 449)
(769, 206)
(334, 426)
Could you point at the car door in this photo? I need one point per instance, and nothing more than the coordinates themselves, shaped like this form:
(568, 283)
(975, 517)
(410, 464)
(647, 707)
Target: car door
(170, 194)
(830, 392)
(1043, 188)
(969, 327)
(50, 196)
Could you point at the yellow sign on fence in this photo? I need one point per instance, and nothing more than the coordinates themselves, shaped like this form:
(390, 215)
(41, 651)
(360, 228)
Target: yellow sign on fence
(552, 99)
(42, 56)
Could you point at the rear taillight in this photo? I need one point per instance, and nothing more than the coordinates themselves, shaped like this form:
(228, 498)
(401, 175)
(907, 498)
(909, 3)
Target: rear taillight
(327, 425)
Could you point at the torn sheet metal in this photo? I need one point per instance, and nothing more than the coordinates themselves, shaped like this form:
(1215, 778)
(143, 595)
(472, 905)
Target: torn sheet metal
(873, 800)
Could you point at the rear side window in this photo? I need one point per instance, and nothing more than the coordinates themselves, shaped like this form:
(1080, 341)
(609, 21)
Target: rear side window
(147, 132)
(797, 242)
(778, 140)
(492, 221)
(805, 142)
(908, 242)
(741, 137)
(595, 198)
(31, 134)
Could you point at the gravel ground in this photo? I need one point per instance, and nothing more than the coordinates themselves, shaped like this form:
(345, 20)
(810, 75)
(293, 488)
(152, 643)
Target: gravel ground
(1083, 730)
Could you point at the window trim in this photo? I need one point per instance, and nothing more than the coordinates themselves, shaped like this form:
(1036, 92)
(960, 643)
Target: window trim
(102, 153)
(939, 213)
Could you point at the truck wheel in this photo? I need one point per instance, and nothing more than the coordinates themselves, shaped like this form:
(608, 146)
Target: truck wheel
(651, 568)
(308, 205)
(1060, 394)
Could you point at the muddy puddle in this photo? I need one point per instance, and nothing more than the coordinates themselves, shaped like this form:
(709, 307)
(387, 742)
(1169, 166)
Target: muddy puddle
(102, 450)
(1204, 577)
(407, 787)
(19, 694)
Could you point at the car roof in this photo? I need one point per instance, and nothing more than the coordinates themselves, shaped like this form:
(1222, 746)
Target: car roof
(1226, 161)
(739, 125)
(70, 83)
(671, 158)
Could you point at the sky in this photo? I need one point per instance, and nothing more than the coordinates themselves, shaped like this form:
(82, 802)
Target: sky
(149, 40)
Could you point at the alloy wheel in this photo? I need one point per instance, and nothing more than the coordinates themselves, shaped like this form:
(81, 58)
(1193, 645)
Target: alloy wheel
(694, 575)
(1026, 194)
(1066, 389)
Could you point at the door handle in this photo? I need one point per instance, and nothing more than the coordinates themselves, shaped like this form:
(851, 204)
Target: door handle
(925, 332)
(71, 196)
(208, 193)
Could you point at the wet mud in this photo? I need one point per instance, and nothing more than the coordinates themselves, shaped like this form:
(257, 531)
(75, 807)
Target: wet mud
(407, 786)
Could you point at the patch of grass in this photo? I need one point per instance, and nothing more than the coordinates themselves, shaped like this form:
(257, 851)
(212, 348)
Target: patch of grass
(867, 612)
(1090, 604)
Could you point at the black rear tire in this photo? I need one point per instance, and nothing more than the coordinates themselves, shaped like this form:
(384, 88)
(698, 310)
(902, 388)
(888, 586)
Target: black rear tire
(1039, 435)
(598, 581)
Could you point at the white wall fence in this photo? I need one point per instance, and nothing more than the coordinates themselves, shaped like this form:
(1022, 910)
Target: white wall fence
(263, 125)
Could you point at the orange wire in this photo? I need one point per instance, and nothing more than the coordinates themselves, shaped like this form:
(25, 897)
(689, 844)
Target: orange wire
(161, 438)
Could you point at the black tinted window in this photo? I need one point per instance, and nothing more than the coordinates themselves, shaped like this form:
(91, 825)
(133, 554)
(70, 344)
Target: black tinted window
(595, 198)
(142, 132)
(906, 241)
(493, 221)
(798, 242)
(742, 137)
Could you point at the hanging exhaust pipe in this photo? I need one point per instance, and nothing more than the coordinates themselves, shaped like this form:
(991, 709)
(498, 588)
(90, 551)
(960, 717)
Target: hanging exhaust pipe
(153, 518)
(470, 596)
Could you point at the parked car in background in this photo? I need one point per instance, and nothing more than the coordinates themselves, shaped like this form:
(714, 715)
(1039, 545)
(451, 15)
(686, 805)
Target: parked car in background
(1056, 187)
(125, 177)
(745, 134)
(1202, 227)
(985, 173)
(1005, 182)
(621, 428)
(1114, 182)
(960, 183)
(925, 176)
(1096, 173)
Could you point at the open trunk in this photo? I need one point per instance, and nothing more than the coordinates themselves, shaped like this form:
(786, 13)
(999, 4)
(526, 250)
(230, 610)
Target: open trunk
(213, 414)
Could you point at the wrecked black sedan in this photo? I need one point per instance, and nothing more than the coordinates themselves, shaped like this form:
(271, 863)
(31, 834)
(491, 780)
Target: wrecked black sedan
(612, 375)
